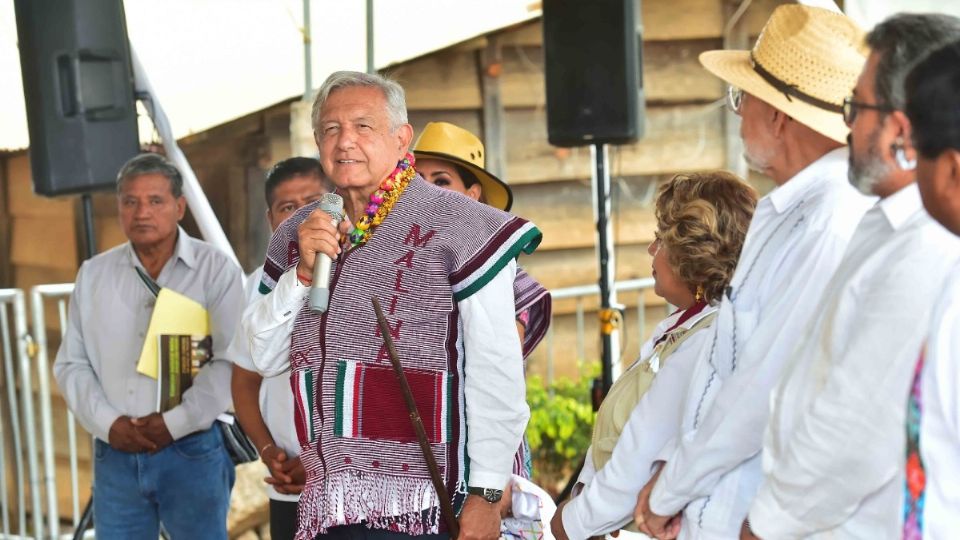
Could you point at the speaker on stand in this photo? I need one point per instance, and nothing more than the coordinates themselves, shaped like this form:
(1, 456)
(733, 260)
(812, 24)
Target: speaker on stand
(594, 88)
(81, 115)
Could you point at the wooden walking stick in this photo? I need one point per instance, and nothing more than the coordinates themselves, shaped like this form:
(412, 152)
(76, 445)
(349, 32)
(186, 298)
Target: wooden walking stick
(446, 507)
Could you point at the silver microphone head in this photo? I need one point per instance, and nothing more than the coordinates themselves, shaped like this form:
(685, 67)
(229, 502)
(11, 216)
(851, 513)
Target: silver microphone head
(332, 204)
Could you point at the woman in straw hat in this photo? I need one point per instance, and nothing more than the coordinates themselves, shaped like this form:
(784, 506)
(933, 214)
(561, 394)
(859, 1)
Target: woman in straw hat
(702, 220)
(451, 157)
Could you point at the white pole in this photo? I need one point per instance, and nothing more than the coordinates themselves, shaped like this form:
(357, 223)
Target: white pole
(210, 228)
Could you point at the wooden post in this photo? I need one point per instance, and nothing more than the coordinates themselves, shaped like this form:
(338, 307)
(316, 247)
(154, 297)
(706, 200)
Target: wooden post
(491, 68)
(6, 265)
(734, 37)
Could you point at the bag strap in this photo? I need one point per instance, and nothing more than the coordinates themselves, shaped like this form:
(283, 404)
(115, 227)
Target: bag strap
(148, 281)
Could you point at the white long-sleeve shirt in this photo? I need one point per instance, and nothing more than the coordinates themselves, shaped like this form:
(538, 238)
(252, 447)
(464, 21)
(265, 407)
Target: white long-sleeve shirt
(276, 399)
(940, 420)
(494, 386)
(796, 239)
(834, 449)
(609, 495)
(110, 311)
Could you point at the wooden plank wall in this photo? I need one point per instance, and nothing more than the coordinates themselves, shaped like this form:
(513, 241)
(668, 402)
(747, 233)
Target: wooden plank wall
(684, 132)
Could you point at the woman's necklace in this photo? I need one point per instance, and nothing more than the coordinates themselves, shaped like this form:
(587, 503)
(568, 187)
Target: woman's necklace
(382, 200)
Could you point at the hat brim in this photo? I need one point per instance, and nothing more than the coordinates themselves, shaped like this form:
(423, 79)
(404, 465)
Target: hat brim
(496, 192)
(735, 68)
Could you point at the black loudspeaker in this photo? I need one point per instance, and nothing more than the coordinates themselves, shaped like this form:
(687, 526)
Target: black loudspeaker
(593, 64)
(78, 88)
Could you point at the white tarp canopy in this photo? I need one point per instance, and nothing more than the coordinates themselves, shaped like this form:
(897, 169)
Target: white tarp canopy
(214, 60)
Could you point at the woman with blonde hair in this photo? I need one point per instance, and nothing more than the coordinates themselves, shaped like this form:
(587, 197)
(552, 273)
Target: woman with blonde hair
(702, 219)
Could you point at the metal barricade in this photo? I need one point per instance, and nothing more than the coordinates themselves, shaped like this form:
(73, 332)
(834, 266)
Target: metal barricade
(61, 294)
(579, 293)
(14, 363)
(29, 358)
(26, 371)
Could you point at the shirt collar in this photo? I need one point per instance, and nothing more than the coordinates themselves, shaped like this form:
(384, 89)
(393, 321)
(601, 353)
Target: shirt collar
(183, 250)
(830, 166)
(898, 208)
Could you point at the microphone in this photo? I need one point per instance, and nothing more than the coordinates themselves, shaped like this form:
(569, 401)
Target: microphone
(332, 204)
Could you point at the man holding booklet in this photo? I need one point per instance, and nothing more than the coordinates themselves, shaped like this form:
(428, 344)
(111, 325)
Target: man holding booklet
(153, 466)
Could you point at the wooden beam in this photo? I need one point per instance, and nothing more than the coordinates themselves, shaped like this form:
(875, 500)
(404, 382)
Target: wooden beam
(563, 211)
(447, 79)
(44, 241)
(490, 67)
(570, 267)
(6, 268)
(22, 202)
(682, 138)
(671, 73)
(736, 38)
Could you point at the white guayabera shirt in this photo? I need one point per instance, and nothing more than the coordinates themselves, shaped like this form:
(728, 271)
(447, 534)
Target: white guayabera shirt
(940, 420)
(796, 240)
(834, 450)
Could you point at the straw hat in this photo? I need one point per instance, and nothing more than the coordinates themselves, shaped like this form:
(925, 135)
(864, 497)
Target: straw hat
(804, 63)
(442, 140)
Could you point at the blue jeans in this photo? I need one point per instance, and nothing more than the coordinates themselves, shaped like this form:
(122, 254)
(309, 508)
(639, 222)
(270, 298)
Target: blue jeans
(186, 486)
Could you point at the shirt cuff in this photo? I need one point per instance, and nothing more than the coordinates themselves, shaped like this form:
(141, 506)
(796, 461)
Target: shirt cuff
(104, 419)
(664, 503)
(769, 520)
(289, 293)
(487, 479)
(178, 423)
(572, 521)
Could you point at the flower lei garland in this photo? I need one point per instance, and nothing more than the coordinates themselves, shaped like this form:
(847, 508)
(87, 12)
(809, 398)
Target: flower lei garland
(382, 200)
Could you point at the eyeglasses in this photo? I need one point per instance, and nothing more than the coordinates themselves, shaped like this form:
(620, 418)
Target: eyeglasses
(734, 98)
(850, 108)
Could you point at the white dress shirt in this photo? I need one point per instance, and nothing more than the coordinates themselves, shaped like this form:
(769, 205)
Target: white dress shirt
(494, 387)
(940, 420)
(609, 495)
(796, 239)
(276, 398)
(110, 310)
(834, 449)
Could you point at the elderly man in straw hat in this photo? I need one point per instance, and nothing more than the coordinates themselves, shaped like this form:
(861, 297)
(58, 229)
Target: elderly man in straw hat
(834, 447)
(789, 92)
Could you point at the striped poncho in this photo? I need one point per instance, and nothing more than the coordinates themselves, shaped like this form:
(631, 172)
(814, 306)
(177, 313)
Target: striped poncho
(360, 452)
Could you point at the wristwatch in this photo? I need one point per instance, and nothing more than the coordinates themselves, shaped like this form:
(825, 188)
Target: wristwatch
(489, 494)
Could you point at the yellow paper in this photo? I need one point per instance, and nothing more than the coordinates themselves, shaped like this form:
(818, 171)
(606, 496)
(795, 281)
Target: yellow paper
(173, 313)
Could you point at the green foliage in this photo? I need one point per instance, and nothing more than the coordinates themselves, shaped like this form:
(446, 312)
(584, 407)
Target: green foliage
(561, 423)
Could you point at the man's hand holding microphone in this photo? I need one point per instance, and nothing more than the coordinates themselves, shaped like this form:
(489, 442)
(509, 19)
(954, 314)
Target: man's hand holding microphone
(319, 238)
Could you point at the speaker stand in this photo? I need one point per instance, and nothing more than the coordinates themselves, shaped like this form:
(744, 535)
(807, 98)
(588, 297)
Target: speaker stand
(609, 312)
(90, 239)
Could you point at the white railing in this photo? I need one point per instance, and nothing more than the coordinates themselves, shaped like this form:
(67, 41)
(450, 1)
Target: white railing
(579, 293)
(16, 363)
(31, 362)
(31, 359)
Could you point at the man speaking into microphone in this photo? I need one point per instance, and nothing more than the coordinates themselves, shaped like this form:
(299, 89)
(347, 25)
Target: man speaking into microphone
(442, 267)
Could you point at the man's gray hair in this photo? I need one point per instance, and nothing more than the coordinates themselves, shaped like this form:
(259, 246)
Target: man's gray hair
(151, 164)
(392, 92)
(902, 41)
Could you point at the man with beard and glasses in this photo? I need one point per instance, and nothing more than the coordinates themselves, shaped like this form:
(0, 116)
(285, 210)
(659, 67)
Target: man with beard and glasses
(788, 90)
(833, 449)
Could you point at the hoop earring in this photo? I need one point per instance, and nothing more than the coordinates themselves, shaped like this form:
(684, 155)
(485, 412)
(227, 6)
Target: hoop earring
(900, 156)
(699, 296)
